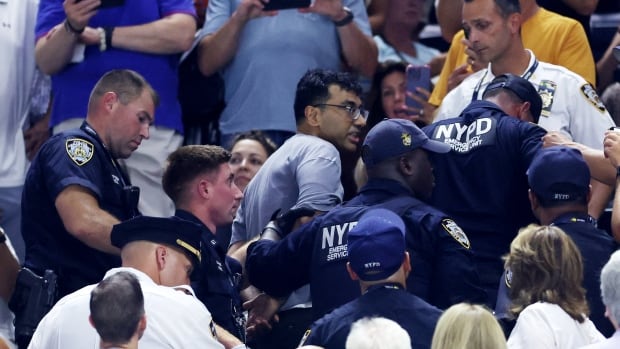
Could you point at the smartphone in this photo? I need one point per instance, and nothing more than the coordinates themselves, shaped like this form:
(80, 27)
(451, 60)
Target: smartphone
(109, 3)
(617, 53)
(273, 5)
(417, 76)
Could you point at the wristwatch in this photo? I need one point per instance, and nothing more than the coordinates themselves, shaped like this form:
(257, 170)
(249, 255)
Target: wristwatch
(347, 19)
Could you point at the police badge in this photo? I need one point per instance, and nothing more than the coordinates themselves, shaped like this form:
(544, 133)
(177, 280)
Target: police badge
(406, 137)
(79, 150)
(546, 90)
(456, 232)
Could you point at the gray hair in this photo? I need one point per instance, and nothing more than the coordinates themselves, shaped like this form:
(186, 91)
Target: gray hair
(377, 333)
(610, 285)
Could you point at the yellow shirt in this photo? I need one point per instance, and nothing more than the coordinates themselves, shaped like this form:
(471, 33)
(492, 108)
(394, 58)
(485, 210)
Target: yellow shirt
(553, 38)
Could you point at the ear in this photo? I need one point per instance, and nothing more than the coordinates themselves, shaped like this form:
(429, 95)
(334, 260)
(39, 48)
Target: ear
(141, 325)
(405, 166)
(514, 22)
(204, 188)
(524, 112)
(312, 116)
(407, 263)
(161, 253)
(90, 320)
(534, 203)
(109, 99)
(352, 274)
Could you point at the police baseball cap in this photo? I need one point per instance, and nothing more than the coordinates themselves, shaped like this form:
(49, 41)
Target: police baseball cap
(376, 245)
(395, 137)
(559, 174)
(181, 234)
(520, 87)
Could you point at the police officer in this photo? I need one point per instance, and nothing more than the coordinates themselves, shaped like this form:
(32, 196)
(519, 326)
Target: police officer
(559, 181)
(200, 182)
(400, 177)
(75, 191)
(378, 260)
(481, 182)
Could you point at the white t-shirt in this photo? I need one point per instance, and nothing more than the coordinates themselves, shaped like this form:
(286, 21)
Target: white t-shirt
(570, 104)
(174, 320)
(547, 326)
(17, 21)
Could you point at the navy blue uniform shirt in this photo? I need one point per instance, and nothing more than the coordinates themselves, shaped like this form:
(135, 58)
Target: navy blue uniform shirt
(443, 269)
(596, 246)
(482, 184)
(216, 284)
(75, 157)
(390, 301)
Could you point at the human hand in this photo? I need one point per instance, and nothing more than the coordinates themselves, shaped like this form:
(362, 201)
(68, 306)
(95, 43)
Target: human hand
(423, 114)
(554, 138)
(473, 59)
(457, 76)
(250, 9)
(261, 312)
(79, 13)
(35, 136)
(611, 147)
(329, 8)
(285, 221)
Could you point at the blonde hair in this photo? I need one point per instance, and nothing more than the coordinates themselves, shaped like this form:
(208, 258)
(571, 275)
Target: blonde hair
(546, 266)
(468, 326)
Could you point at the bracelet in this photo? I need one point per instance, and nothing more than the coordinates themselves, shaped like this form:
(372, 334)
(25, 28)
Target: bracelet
(71, 29)
(108, 36)
(102, 44)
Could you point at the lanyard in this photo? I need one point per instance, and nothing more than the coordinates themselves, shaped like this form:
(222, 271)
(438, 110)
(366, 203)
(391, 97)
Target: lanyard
(574, 218)
(389, 285)
(528, 74)
(88, 129)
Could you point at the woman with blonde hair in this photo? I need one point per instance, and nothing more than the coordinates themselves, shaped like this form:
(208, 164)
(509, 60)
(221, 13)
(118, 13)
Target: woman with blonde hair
(545, 274)
(468, 326)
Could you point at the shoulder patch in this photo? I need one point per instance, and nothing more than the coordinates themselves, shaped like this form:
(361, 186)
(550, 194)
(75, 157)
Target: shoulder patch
(546, 90)
(590, 94)
(305, 337)
(456, 232)
(79, 150)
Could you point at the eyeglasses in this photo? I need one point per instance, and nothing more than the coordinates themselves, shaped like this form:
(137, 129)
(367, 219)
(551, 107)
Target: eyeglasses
(354, 112)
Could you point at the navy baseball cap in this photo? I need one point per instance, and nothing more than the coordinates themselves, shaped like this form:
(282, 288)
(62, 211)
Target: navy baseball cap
(559, 174)
(172, 231)
(521, 87)
(376, 245)
(394, 137)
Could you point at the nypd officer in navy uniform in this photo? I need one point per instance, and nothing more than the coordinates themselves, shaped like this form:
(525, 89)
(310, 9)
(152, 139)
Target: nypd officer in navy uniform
(560, 190)
(481, 182)
(379, 262)
(75, 190)
(400, 177)
(200, 182)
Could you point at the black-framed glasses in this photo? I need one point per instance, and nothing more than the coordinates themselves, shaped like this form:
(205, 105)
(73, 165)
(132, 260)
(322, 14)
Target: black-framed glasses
(354, 112)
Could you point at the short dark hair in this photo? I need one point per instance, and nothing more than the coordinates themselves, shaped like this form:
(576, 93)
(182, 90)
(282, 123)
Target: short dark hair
(258, 136)
(127, 84)
(506, 7)
(313, 88)
(188, 162)
(116, 307)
